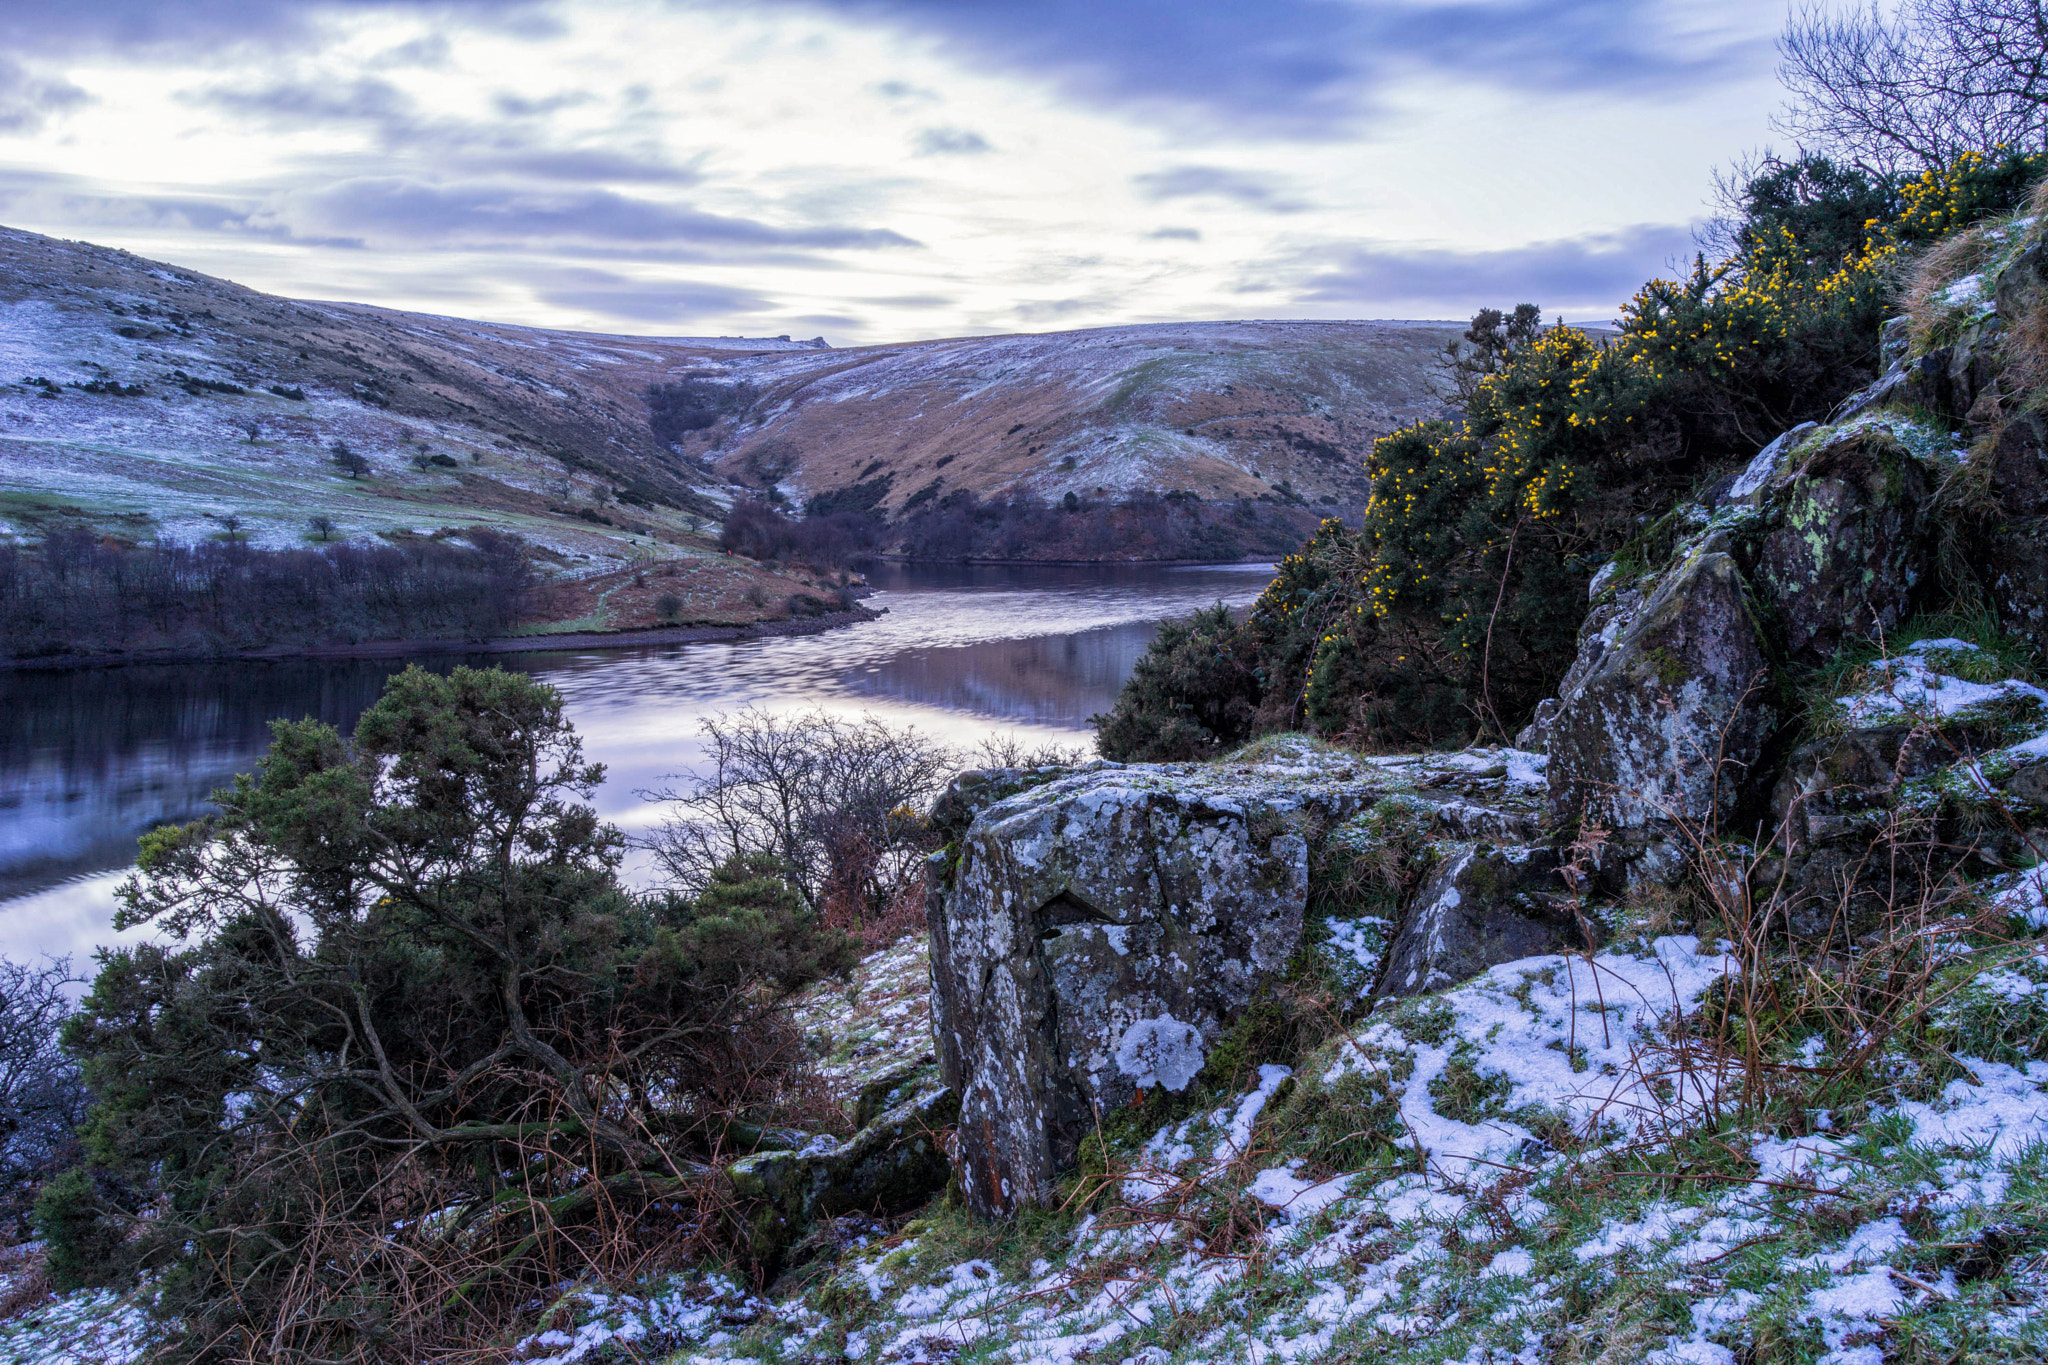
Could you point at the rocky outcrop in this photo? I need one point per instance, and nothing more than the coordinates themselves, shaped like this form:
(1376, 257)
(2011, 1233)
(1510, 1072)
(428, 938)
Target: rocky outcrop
(1663, 712)
(1096, 935)
(894, 1162)
(1847, 549)
(2014, 556)
(1482, 906)
(1864, 821)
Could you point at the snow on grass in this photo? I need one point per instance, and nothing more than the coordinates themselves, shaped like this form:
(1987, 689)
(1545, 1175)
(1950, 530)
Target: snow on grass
(677, 1313)
(1912, 684)
(86, 1327)
(1574, 1037)
(1476, 1244)
(2000, 1111)
(873, 1020)
(1476, 1251)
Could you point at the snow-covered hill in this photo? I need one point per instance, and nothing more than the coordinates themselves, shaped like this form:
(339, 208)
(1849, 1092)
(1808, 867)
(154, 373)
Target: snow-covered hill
(142, 399)
(1221, 409)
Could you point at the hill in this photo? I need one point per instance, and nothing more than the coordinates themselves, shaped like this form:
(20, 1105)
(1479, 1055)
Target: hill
(148, 400)
(1224, 410)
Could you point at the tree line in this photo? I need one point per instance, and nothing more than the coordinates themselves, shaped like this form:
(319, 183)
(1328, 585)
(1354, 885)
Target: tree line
(78, 593)
(964, 526)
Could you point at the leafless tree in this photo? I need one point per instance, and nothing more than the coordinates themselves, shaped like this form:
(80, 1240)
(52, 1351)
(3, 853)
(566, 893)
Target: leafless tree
(1013, 750)
(42, 1100)
(839, 801)
(1912, 86)
(347, 460)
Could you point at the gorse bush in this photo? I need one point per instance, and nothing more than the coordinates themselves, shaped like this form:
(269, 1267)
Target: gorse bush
(410, 1052)
(1189, 696)
(1455, 606)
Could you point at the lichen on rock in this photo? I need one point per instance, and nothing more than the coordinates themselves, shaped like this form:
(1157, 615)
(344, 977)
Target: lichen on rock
(1099, 934)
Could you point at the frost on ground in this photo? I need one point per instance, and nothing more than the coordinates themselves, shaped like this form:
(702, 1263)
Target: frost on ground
(1544, 1163)
(1920, 682)
(89, 1327)
(872, 1021)
(678, 1312)
(1539, 1164)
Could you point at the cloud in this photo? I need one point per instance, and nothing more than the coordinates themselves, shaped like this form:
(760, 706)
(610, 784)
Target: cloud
(395, 122)
(314, 104)
(138, 28)
(519, 106)
(670, 302)
(1313, 68)
(430, 53)
(1041, 310)
(912, 301)
(951, 142)
(1598, 272)
(585, 166)
(28, 100)
(900, 91)
(1244, 188)
(397, 210)
(1174, 234)
(75, 201)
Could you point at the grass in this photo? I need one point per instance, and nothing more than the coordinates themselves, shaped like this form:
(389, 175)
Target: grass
(1998, 655)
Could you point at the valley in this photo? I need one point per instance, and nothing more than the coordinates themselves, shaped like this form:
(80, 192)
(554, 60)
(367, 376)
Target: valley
(146, 401)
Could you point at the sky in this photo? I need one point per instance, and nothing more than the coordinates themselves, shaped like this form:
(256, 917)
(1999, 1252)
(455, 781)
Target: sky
(888, 170)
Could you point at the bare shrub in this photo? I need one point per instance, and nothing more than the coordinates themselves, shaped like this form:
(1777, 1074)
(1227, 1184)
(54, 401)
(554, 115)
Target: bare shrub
(838, 802)
(1918, 86)
(1012, 750)
(42, 1099)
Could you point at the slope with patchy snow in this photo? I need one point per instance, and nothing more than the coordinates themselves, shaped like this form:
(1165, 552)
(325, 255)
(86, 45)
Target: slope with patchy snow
(1220, 409)
(173, 399)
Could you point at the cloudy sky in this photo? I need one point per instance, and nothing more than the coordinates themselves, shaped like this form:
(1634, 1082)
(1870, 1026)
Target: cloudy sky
(878, 170)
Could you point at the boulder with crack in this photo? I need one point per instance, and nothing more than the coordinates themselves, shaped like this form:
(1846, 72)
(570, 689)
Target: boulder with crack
(1481, 906)
(1096, 935)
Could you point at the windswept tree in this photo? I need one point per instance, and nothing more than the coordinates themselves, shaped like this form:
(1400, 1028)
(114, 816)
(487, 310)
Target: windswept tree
(1492, 339)
(401, 979)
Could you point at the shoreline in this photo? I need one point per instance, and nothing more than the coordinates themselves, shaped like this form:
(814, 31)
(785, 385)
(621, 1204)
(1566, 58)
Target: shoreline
(1075, 563)
(507, 644)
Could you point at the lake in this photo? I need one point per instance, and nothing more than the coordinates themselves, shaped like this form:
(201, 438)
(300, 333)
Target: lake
(92, 758)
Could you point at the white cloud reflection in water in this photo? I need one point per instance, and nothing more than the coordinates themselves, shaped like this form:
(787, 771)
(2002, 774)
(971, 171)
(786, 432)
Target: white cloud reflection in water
(89, 761)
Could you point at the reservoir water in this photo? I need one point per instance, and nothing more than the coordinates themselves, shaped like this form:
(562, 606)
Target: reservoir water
(91, 759)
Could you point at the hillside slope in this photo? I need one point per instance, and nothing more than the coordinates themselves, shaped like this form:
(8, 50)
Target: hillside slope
(1224, 410)
(147, 400)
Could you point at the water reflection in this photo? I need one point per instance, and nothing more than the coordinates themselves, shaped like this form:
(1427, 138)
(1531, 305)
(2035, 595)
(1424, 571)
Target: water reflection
(92, 759)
